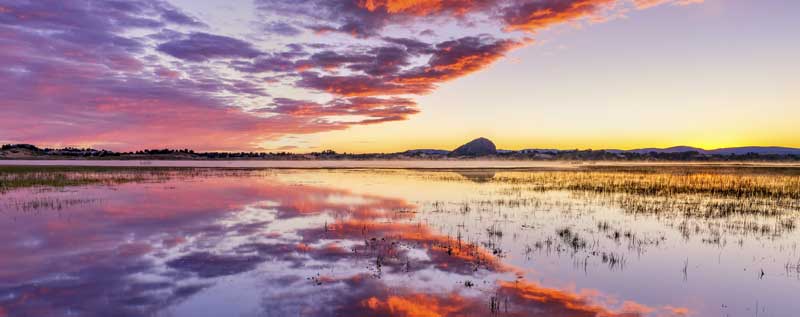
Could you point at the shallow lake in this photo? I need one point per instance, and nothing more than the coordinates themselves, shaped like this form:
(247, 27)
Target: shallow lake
(392, 242)
(376, 164)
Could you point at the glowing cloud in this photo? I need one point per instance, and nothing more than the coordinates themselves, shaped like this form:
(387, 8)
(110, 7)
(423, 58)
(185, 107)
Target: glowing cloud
(144, 73)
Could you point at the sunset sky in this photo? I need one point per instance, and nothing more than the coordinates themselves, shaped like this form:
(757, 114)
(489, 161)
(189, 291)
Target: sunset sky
(390, 75)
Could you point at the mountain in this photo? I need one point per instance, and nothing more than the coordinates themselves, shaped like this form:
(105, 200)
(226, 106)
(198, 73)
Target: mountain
(477, 147)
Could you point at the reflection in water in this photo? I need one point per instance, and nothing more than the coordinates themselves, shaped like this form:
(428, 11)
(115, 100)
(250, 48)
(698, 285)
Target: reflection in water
(478, 176)
(387, 243)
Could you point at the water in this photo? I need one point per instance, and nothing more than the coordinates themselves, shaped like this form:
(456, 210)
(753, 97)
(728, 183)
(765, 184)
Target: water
(437, 164)
(378, 164)
(365, 242)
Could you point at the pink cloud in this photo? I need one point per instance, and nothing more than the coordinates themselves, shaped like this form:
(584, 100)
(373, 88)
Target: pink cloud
(74, 75)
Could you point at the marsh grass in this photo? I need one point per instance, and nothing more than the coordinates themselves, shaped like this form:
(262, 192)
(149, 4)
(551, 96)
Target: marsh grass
(739, 182)
(14, 177)
(668, 191)
(58, 180)
(663, 184)
(715, 205)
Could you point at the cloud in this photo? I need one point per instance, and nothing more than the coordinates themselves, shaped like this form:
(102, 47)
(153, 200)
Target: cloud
(282, 28)
(199, 47)
(91, 16)
(144, 73)
(644, 4)
(375, 109)
(78, 104)
(457, 58)
(364, 18)
(412, 46)
(177, 17)
(383, 61)
(332, 60)
(386, 70)
(359, 85)
(266, 64)
(534, 16)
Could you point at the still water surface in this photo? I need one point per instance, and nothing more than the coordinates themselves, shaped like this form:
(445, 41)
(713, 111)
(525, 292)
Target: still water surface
(388, 243)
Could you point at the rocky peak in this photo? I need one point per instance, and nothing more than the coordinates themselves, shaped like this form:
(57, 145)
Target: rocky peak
(477, 147)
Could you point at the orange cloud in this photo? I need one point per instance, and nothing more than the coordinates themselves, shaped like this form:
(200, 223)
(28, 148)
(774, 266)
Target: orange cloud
(420, 7)
(416, 305)
(564, 303)
(446, 253)
(513, 299)
(458, 58)
(534, 16)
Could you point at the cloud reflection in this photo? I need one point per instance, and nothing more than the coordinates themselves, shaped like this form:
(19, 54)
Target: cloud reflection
(146, 247)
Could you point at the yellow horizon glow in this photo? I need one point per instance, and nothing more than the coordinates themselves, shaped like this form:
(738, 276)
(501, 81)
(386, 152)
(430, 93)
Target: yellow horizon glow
(398, 143)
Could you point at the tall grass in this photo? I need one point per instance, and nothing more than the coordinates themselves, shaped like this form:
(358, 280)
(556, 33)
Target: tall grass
(14, 177)
(730, 185)
(745, 182)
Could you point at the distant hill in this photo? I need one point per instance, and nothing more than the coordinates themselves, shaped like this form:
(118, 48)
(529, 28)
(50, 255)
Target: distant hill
(761, 150)
(674, 149)
(477, 147)
(19, 151)
(540, 150)
(426, 151)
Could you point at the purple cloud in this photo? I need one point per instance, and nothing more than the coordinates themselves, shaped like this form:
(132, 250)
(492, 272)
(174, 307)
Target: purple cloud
(375, 109)
(198, 47)
(282, 28)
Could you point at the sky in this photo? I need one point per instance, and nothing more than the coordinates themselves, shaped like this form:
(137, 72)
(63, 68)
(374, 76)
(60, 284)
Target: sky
(391, 75)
